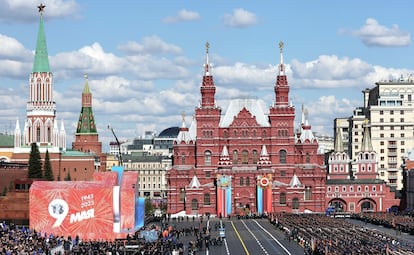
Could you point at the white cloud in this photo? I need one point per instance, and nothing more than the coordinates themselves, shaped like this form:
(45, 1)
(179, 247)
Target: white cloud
(13, 50)
(150, 45)
(182, 15)
(89, 59)
(331, 72)
(15, 11)
(325, 109)
(374, 34)
(242, 73)
(95, 61)
(240, 18)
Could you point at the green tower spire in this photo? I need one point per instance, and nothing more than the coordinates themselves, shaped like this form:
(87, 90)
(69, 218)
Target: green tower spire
(41, 61)
(86, 122)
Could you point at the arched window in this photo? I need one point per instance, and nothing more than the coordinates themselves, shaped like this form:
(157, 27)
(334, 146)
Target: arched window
(241, 181)
(183, 159)
(38, 134)
(245, 157)
(254, 156)
(308, 193)
(247, 181)
(194, 204)
(295, 203)
(207, 199)
(49, 135)
(207, 158)
(282, 156)
(182, 194)
(235, 157)
(282, 198)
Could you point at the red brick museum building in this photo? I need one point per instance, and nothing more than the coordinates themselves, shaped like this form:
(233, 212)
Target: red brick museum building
(246, 161)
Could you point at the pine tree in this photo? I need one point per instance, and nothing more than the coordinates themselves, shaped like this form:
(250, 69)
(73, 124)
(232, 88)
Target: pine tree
(35, 164)
(48, 168)
(149, 207)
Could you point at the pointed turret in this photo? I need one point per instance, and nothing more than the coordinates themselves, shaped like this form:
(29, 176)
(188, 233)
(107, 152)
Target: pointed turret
(365, 164)
(208, 89)
(306, 135)
(295, 182)
(86, 122)
(62, 136)
(224, 157)
(193, 129)
(366, 139)
(41, 109)
(183, 134)
(55, 133)
(282, 86)
(86, 136)
(195, 183)
(339, 144)
(264, 157)
(41, 62)
(17, 135)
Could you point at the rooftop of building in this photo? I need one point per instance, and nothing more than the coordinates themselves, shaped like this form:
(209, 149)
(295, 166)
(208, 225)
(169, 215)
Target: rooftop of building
(171, 132)
(142, 158)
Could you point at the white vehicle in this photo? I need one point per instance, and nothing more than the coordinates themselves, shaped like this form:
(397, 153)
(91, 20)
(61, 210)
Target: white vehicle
(157, 213)
(222, 232)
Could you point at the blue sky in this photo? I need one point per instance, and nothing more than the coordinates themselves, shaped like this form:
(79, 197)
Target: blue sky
(144, 58)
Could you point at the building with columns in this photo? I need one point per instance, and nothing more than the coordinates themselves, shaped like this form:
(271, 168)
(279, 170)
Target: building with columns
(245, 160)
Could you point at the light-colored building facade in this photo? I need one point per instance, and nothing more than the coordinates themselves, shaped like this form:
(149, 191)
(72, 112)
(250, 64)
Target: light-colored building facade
(391, 113)
(389, 109)
(151, 178)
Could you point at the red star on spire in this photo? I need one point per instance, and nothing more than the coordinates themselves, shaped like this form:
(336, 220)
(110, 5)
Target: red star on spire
(41, 7)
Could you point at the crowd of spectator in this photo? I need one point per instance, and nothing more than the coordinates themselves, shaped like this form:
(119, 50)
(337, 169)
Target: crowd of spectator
(157, 238)
(320, 234)
(400, 222)
(20, 240)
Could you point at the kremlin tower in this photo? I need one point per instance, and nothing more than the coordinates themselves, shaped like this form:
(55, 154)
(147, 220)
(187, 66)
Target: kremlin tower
(86, 136)
(41, 125)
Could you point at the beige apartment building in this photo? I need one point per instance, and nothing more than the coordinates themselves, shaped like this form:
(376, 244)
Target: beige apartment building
(389, 112)
(151, 173)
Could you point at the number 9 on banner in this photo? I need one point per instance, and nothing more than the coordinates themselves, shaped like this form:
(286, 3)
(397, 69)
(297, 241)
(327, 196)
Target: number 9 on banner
(58, 209)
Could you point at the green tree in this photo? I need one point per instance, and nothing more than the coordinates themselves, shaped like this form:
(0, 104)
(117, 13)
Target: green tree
(35, 163)
(149, 207)
(48, 168)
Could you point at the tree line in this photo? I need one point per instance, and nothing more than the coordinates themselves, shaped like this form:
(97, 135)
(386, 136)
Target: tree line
(35, 165)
